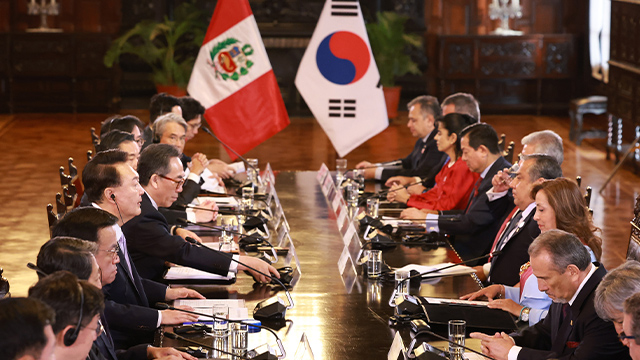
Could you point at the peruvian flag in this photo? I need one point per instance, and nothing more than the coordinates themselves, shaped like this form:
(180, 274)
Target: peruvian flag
(232, 78)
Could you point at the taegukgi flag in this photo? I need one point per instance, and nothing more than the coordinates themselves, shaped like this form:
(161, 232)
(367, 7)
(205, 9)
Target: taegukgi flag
(232, 78)
(338, 78)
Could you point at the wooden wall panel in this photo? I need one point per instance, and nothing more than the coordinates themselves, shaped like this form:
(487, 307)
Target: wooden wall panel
(83, 16)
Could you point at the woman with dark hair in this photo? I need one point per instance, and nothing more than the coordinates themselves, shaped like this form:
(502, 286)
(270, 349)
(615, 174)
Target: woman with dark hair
(559, 205)
(454, 182)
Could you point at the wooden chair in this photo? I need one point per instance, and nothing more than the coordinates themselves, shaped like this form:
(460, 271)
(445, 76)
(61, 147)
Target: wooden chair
(73, 170)
(89, 155)
(508, 154)
(65, 179)
(61, 208)
(52, 217)
(68, 198)
(579, 181)
(587, 197)
(502, 142)
(95, 139)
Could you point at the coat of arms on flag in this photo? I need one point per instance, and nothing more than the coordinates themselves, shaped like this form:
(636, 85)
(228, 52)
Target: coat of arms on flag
(232, 78)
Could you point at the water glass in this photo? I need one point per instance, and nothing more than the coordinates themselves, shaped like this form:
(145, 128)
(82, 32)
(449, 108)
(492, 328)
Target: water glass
(358, 176)
(372, 207)
(457, 330)
(352, 194)
(226, 239)
(341, 169)
(220, 343)
(220, 323)
(252, 175)
(239, 336)
(374, 264)
(402, 285)
(247, 197)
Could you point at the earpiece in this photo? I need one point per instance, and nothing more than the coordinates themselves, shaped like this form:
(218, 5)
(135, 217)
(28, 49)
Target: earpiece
(72, 334)
(113, 197)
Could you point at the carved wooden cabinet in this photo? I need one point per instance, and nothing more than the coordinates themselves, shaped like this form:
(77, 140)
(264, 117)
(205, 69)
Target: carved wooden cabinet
(624, 75)
(530, 73)
(57, 72)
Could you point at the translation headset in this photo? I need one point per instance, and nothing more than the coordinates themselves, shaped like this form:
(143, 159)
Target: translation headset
(113, 197)
(71, 336)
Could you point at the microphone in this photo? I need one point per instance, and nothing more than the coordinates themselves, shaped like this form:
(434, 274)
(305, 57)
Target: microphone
(393, 302)
(165, 306)
(266, 309)
(205, 129)
(247, 213)
(429, 332)
(35, 268)
(175, 336)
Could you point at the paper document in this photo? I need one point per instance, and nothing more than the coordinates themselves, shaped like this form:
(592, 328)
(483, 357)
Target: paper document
(223, 200)
(237, 309)
(433, 300)
(187, 273)
(456, 270)
(211, 184)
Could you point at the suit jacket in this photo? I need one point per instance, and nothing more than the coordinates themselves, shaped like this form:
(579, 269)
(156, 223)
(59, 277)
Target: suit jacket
(103, 348)
(505, 268)
(582, 335)
(127, 305)
(151, 244)
(424, 161)
(476, 228)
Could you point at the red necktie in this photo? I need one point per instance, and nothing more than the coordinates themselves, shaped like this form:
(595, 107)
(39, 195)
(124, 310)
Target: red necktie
(475, 194)
(502, 228)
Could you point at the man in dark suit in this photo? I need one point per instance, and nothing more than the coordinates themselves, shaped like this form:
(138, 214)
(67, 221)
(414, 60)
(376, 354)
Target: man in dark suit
(25, 329)
(425, 160)
(112, 185)
(476, 227)
(572, 329)
(519, 229)
(150, 238)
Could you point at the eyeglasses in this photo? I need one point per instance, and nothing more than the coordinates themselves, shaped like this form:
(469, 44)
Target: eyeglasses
(178, 182)
(99, 328)
(114, 251)
(622, 336)
(140, 141)
(195, 126)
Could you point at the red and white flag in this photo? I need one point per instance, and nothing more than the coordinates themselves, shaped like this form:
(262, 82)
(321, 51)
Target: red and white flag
(232, 78)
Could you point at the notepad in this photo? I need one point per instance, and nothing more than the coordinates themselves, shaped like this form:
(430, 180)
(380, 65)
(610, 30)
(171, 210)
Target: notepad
(237, 308)
(187, 273)
(456, 270)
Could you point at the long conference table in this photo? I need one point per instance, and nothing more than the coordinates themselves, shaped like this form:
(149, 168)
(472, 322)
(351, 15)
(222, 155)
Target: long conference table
(341, 313)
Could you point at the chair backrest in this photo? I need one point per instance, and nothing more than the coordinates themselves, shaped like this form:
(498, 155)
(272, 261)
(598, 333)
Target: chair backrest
(64, 178)
(61, 208)
(587, 196)
(508, 154)
(501, 143)
(68, 198)
(95, 139)
(633, 250)
(73, 170)
(51, 217)
(579, 180)
(89, 155)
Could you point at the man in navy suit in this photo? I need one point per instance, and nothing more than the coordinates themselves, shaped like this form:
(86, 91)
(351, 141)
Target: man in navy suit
(572, 329)
(113, 186)
(476, 227)
(519, 228)
(425, 160)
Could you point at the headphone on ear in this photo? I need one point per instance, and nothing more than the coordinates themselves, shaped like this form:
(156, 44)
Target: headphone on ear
(71, 336)
(113, 197)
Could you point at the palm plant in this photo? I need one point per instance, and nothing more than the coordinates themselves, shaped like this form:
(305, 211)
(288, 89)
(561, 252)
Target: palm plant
(389, 44)
(169, 47)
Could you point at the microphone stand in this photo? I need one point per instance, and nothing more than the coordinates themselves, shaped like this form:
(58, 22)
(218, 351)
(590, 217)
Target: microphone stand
(175, 336)
(291, 304)
(165, 306)
(241, 235)
(205, 129)
(395, 291)
(456, 344)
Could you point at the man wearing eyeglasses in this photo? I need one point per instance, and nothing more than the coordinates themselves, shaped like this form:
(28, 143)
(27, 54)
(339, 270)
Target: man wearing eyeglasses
(572, 328)
(631, 326)
(151, 242)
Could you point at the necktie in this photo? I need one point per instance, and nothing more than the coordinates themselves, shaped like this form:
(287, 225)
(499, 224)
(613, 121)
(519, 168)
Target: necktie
(501, 231)
(506, 235)
(123, 247)
(474, 194)
(565, 312)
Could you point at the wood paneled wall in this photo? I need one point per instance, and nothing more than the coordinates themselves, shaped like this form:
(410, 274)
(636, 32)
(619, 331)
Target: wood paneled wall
(471, 17)
(76, 16)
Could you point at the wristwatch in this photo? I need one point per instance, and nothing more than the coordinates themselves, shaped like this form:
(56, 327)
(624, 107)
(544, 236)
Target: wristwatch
(524, 314)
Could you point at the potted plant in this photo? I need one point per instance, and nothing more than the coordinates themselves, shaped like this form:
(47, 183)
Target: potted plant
(169, 47)
(389, 44)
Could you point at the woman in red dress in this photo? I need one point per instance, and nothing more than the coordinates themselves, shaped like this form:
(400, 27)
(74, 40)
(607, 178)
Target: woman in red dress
(454, 182)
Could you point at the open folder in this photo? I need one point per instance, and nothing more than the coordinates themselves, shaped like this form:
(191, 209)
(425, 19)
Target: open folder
(477, 316)
(187, 275)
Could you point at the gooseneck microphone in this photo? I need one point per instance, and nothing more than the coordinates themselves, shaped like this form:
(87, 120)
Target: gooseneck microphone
(205, 129)
(175, 336)
(261, 304)
(35, 268)
(429, 332)
(165, 306)
(400, 284)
